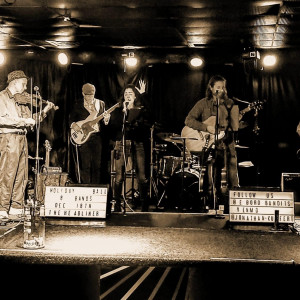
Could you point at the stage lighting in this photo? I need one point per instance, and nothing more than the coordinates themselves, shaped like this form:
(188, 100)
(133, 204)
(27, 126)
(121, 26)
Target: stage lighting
(269, 60)
(131, 61)
(196, 62)
(2, 58)
(63, 58)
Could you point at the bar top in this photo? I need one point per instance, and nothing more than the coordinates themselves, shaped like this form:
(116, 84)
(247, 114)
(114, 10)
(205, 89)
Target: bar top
(152, 245)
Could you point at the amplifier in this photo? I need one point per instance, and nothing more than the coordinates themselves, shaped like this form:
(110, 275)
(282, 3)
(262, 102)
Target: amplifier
(131, 183)
(290, 182)
(49, 179)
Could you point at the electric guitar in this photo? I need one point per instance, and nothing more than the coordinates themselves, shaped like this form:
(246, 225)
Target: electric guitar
(203, 139)
(81, 133)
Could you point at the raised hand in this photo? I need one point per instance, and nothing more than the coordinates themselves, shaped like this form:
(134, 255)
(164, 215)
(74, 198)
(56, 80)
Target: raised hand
(142, 87)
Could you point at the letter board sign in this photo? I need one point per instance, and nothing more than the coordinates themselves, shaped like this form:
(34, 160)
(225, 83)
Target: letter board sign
(260, 206)
(75, 202)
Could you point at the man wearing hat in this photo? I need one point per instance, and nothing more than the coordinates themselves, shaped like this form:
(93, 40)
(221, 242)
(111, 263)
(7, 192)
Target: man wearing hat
(15, 118)
(90, 152)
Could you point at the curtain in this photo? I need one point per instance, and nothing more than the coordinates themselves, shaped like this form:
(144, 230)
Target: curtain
(172, 90)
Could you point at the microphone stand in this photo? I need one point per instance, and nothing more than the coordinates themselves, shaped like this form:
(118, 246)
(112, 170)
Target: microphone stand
(151, 161)
(124, 157)
(215, 142)
(37, 162)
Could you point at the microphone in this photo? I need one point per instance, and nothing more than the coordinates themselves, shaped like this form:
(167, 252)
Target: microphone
(36, 88)
(125, 108)
(126, 105)
(219, 91)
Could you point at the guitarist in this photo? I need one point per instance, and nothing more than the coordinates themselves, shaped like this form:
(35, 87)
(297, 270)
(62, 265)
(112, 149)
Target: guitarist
(91, 151)
(224, 154)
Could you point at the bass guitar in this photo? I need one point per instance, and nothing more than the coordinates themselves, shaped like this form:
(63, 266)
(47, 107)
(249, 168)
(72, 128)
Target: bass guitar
(82, 130)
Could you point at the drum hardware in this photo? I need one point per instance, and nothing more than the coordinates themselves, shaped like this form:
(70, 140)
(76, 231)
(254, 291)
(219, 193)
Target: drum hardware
(168, 165)
(155, 149)
(160, 147)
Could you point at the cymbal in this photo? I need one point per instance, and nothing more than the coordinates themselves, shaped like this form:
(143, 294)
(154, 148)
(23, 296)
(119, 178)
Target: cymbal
(183, 138)
(246, 164)
(166, 136)
(241, 147)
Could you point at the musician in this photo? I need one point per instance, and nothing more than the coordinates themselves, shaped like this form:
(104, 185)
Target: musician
(128, 127)
(298, 129)
(223, 153)
(15, 121)
(90, 152)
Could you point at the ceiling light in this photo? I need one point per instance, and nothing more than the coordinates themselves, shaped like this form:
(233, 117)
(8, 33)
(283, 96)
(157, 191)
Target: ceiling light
(63, 58)
(196, 62)
(269, 60)
(2, 58)
(130, 60)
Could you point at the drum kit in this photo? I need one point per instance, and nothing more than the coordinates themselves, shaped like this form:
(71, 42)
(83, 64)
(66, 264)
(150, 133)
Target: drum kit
(176, 178)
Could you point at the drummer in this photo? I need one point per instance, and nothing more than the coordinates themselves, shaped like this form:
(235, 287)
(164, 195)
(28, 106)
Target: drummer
(222, 159)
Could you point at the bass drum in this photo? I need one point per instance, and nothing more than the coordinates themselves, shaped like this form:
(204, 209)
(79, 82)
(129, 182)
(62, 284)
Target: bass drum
(185, 191)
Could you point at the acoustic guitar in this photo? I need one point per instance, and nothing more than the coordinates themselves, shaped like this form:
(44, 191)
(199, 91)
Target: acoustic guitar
(81, 133)
(204, 139)
(201, 138)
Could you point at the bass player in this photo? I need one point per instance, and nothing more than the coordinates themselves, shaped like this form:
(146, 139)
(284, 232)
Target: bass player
(89, 152)
(223, 158)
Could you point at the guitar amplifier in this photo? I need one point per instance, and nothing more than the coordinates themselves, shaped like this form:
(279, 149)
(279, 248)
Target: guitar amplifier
(49, 179)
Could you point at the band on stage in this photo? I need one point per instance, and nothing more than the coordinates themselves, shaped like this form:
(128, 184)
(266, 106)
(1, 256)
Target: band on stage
(149, 167)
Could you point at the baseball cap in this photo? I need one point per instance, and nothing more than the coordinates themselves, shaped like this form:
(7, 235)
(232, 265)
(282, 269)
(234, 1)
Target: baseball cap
(88, 89)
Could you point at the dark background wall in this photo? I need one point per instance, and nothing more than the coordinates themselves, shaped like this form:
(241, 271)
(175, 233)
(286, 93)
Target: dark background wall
(172, 90)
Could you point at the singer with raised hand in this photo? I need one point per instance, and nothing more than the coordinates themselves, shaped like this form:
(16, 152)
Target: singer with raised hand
(15, 119)
(215, 120)
(130, 134)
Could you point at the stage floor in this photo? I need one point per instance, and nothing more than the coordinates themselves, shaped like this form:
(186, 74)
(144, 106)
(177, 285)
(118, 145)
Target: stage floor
(205, 250)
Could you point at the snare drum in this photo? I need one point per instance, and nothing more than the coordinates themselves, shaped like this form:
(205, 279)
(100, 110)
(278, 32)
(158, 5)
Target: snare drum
(168, 165)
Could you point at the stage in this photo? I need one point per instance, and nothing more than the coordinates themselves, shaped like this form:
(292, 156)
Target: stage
(82, 248)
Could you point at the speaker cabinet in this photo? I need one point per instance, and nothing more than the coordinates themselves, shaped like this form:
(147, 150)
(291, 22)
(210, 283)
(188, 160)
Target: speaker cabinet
(290, 182)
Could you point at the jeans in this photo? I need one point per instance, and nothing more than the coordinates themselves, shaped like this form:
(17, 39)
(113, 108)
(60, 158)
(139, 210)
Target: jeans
(137, 152)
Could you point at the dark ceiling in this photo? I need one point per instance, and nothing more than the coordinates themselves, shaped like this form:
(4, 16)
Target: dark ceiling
(167, 25)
